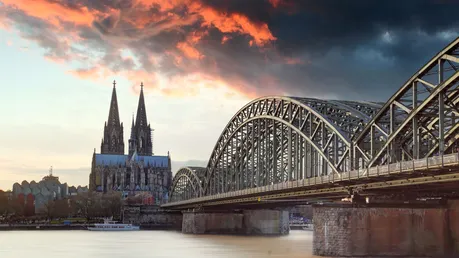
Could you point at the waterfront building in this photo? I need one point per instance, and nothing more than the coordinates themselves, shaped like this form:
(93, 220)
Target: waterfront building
(135, 172)
(36, 195)
(6, 194)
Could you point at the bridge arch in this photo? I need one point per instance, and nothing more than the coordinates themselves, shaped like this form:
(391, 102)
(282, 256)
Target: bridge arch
(276, 139)
(187, 183)
(419, 120)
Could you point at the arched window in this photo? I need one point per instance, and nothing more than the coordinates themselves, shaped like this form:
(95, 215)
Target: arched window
(114, 183)
(113, 143)
(141, 143)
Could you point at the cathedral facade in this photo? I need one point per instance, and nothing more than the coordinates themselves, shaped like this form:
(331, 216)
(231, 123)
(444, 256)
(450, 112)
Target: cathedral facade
(138, 170)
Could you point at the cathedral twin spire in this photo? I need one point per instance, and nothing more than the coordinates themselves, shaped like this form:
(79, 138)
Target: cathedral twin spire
(140, 140)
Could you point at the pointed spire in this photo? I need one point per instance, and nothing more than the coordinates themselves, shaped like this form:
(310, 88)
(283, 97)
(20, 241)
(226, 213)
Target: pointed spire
(113, 115)
(132, 128)
(141, 119)
(112, 142)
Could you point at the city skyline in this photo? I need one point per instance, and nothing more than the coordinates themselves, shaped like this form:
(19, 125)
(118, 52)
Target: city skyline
(199, 68)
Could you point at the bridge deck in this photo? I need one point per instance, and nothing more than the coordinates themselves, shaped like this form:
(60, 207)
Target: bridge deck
(443, 169)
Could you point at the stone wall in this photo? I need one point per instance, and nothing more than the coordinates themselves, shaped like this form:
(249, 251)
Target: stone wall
(250, 222)
(152, 217)
(213, 223)
(453, 226)
(343, 230)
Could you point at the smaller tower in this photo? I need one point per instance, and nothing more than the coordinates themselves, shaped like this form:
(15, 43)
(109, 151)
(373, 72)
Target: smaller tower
(132, 139)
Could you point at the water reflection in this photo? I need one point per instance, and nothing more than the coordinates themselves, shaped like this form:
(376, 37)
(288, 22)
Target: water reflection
(140, 244)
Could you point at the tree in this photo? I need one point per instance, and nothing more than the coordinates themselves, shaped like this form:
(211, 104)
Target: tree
(3, 202)
(61, 209)
(86, 205)
(48, 209)
(16, 207)
(111, 204)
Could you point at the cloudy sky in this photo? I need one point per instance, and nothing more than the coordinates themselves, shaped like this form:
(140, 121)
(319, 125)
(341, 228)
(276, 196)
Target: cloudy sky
(200, 61)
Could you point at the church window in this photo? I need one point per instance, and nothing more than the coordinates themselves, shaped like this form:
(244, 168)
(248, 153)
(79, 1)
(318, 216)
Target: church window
(141, 143)
(128, 178)
(104, 183)
(113, 143)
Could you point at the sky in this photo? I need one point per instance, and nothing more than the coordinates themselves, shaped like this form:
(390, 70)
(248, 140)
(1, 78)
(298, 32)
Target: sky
(199, 60)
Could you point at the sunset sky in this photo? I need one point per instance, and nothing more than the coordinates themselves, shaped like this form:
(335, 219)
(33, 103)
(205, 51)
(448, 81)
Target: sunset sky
(199, 60)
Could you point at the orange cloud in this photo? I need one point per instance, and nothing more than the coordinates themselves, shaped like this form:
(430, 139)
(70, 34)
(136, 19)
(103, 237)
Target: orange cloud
(188, 48)
(53, 11)
(194, 84)
(4, 24)
(164, 5)
(90, 73)
(275, 3)
(237, 23)
(226, 23)
(189, 51)
(147, 18)
(225, 38)
(293, 60)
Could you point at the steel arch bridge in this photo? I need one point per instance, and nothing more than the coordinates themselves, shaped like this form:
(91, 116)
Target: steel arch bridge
(187, 183)
(274, 140)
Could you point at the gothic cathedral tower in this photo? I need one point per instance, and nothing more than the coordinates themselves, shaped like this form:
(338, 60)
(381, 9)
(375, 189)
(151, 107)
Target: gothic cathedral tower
(140, 139)
(113, 142)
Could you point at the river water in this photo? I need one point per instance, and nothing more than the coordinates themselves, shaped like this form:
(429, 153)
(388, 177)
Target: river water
(142, 244)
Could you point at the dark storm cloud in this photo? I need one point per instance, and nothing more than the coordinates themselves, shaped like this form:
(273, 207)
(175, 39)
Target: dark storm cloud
(340, 49)
(326, 24)
(338, 39)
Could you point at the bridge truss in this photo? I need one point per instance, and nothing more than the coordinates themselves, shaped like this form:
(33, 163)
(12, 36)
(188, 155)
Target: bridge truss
(272, 140)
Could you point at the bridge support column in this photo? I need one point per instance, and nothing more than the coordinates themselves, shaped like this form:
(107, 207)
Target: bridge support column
(212, 223)
(397, 230)
(247, 222)
(266, 222)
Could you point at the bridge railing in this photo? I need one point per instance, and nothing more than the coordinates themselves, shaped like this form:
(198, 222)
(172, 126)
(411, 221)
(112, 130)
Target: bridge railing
(412, 166)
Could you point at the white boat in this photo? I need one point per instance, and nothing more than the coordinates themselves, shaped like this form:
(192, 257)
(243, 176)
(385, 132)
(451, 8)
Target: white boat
(110, 225)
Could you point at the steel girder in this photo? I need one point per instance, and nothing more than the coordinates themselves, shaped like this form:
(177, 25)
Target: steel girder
(349, 116)
(278, 139)
(419, 120)
(187, 183)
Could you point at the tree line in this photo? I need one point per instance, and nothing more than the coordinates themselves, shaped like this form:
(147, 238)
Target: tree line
(84, 205)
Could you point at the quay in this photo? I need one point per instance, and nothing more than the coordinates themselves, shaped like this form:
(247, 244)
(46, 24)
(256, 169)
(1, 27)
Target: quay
(11, 227)
(6, 227)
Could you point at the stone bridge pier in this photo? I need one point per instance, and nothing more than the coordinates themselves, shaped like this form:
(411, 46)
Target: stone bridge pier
(391, 230)
(246, 222)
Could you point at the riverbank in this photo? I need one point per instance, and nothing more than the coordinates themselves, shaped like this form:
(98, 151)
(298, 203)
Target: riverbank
(11, 227)
(42, 227)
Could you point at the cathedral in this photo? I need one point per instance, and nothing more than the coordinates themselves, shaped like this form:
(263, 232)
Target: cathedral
(139, 170)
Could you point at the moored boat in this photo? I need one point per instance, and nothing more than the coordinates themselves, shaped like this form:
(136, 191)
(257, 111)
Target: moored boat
(110, 225)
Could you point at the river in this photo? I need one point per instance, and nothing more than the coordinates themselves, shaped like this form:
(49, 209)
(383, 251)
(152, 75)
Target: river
(142, 244)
